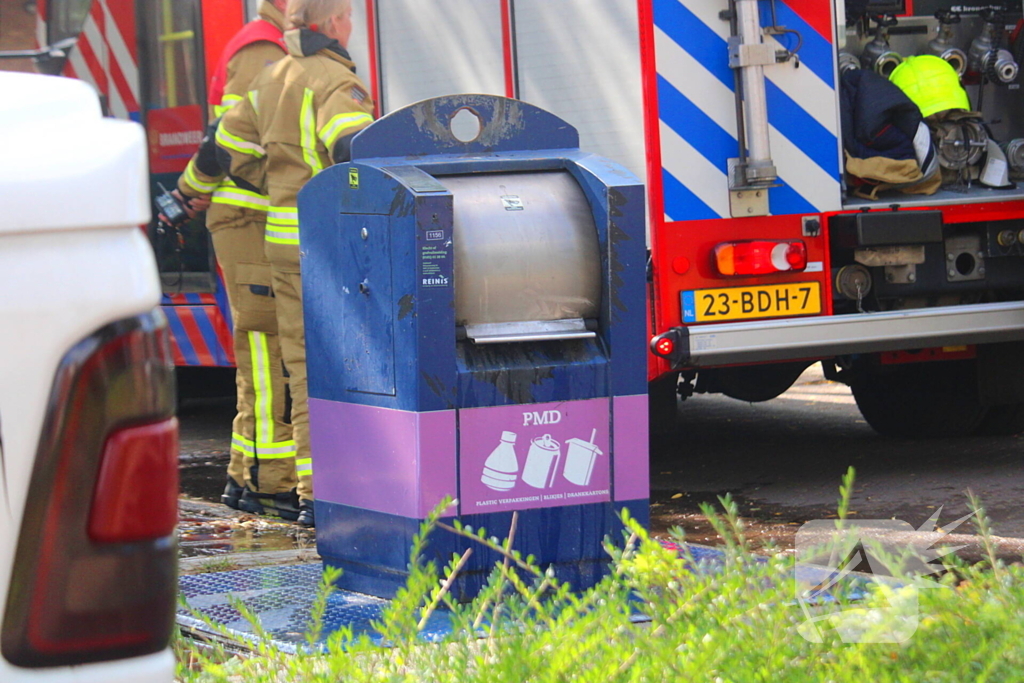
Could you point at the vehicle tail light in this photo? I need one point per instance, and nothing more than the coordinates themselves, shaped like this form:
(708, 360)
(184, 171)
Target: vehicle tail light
(665, 346)
(760, 257)
(136, 497)
(95, 570)
(672, 345)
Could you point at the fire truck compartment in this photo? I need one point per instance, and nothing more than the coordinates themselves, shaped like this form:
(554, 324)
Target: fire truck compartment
(985, 46)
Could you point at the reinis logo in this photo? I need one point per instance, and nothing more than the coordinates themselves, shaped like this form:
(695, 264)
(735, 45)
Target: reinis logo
(862, 577)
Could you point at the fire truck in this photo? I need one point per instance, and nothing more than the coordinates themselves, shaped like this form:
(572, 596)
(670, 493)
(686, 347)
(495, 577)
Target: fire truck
(765, 254)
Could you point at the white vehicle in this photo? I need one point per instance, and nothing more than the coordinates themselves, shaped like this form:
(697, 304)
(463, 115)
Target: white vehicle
(88, 439)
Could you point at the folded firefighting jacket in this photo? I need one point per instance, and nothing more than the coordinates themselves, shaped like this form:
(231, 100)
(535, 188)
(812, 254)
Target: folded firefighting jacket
(886, 142)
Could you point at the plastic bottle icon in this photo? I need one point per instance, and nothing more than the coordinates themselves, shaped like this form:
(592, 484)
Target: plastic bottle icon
(502, 467)
(542, 462)
(579, 460)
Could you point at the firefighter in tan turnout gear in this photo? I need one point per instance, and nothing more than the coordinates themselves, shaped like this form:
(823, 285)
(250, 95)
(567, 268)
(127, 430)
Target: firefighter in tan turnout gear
(261, 472)
(298, 117)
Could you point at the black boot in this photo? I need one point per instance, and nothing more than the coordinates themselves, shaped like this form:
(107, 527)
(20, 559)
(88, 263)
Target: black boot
(232, 493)
(306, 516)
(284, 505)
(250, 502)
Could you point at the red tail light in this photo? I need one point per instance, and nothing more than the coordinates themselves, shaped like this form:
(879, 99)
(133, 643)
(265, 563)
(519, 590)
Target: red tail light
(664, 346)
(760, 257)
(95, 571)
(136, 497)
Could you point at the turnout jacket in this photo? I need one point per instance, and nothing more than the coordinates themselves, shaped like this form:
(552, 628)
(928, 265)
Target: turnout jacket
(298, 117)
(259, 44)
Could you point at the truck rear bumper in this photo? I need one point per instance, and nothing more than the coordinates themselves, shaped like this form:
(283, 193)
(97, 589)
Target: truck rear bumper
(823, 337)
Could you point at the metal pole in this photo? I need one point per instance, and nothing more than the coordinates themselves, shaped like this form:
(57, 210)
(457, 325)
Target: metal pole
(759, 168)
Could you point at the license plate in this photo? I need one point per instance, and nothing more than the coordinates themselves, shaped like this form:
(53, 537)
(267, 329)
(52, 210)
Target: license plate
(742, 303)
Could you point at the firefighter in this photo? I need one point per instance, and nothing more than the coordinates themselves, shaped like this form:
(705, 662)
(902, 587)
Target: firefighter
(261, 472)
(299, 117)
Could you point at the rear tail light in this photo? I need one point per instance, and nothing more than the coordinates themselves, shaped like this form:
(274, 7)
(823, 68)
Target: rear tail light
(95, 571)
(672, 345)
(760, 257)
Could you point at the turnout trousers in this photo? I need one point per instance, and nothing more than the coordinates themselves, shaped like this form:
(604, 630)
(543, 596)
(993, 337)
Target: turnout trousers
(284, 259)
(262, 447)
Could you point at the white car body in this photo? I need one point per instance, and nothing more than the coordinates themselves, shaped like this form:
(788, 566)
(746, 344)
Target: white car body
(73, 193)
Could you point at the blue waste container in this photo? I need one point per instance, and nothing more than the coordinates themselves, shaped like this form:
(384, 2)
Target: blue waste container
(475, 292)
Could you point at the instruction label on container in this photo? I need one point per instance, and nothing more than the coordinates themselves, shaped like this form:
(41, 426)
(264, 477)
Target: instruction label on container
(433, 262)
(535, 455)
(512, 202)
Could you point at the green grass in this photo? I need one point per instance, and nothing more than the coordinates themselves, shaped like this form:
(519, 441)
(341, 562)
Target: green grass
(738, 625)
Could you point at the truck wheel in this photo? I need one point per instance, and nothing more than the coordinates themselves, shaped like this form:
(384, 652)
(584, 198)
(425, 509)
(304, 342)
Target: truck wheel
(663, 402)
(920, 400)
(1002, 420)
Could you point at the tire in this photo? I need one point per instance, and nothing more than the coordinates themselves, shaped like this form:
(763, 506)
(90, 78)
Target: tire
(1002, 420)
(920, 400)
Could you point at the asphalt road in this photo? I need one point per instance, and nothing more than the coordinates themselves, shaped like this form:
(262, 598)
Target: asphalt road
(782, 460)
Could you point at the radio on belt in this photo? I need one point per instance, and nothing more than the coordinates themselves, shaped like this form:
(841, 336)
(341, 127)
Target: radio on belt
(474, 291)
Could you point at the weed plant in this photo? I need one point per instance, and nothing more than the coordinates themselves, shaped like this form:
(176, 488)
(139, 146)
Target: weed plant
(735, 624)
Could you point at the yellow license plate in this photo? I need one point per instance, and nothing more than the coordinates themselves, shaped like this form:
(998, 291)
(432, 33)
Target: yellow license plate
(743, 303)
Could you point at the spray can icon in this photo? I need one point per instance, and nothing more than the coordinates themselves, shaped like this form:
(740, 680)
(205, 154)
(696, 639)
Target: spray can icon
(502, 467)
(542, 462)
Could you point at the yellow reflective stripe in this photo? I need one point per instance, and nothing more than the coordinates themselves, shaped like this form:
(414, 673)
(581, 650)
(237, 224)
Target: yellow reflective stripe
(307, 130)
(226, 139)
(226, 102)
(230, 200)
(236, 196)
(243, 444)
(252, 99)
(276, 451)
(304, 466)
(195, 183)
(282, 225)
(339, 124)
(282, 236)
(263, 407)
(283, 215)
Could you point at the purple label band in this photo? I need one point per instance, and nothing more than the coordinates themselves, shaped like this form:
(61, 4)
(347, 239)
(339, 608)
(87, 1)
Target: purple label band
(632, 449)
(510, 457)
(390, 461)
(534, 456)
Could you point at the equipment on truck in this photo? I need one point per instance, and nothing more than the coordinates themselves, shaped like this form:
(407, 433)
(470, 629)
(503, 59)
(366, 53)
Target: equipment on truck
(475, 314)
(987, 57)
(932, 83)
(878, 55)
(943, 46)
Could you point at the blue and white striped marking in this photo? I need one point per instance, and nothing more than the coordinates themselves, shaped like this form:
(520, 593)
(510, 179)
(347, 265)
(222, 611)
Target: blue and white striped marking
(698, 114)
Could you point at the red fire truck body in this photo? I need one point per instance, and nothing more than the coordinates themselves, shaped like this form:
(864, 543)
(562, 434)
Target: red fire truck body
(763, 258)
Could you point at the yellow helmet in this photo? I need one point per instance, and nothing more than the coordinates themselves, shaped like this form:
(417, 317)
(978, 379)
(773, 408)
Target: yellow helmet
(931, 83)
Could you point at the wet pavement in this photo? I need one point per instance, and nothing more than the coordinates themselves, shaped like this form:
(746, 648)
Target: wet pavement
(206, 528)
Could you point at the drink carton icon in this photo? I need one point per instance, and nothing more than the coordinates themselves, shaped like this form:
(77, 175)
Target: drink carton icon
(579, 460)
(542, 462)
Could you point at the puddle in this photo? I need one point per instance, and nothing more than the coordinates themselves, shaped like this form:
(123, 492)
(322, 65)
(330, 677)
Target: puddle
(204, 530)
